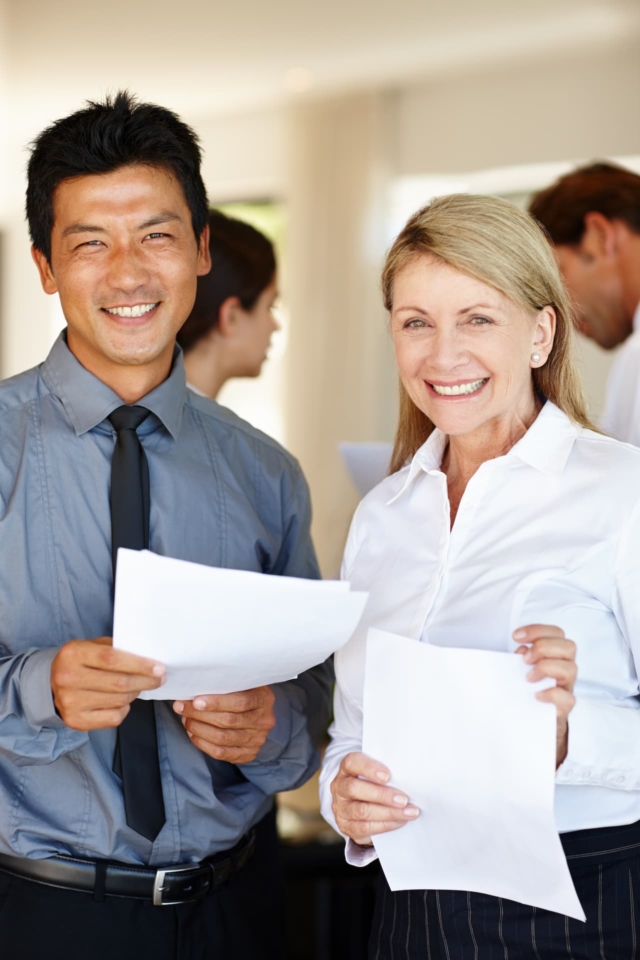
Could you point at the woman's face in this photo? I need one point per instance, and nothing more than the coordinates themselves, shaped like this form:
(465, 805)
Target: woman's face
(464, 351)
(254, 329)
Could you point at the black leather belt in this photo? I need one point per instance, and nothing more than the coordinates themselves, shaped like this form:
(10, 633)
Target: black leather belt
(164, 886)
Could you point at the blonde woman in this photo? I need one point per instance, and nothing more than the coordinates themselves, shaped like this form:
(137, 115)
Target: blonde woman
(507, 523)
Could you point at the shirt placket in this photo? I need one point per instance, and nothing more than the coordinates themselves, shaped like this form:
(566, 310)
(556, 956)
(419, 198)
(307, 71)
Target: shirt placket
(456, 537)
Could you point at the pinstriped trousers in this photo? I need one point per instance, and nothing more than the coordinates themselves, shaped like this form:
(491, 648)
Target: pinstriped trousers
(454, 925)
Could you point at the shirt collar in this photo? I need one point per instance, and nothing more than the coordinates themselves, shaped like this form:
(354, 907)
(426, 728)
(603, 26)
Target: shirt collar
(545, 446)
(88, 401)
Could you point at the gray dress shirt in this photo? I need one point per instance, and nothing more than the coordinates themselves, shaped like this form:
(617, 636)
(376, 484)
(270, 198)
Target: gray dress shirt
(222, 494)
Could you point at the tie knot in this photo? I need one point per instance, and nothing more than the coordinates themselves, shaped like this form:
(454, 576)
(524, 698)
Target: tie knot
(128, 418)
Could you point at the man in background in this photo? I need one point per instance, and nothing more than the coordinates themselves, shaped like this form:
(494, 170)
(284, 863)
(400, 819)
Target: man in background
(592, 216)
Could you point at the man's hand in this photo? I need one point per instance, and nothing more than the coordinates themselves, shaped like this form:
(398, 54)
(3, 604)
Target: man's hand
(93, 684)
(552, 655)
(230, 726)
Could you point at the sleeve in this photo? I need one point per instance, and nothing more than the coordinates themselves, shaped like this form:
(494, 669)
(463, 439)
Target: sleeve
(345, 732)
(31, 732)
(621, 417)
(302, 708)
(604, 737)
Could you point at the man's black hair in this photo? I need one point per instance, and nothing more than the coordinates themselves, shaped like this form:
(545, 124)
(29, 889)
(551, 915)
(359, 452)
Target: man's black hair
(104, 137)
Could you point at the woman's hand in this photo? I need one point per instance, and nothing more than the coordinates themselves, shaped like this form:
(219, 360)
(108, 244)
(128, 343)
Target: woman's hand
(552, 655)
(364, 807)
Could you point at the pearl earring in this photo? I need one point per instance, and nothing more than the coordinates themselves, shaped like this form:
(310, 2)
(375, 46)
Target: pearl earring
(535, 357)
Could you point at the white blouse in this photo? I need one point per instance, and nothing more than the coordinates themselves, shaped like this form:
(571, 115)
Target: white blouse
(549, 533)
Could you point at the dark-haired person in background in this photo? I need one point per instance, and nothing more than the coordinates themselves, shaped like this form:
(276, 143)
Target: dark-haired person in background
(228, 332)
(133, 828)
(593, 218)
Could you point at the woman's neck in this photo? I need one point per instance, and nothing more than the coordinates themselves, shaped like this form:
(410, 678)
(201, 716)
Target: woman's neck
(205, 369)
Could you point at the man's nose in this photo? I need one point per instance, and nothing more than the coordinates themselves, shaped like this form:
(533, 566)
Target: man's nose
(127, 268)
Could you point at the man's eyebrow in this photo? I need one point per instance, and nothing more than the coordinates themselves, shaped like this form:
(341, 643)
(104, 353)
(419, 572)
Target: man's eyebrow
(82, 228)
(160, 218)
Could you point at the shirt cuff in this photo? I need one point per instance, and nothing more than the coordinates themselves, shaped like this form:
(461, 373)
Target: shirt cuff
(603, 746)
(357, 855)
(36, 694)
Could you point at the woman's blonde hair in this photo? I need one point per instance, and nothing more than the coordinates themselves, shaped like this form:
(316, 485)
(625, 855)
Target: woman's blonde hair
(494, 242)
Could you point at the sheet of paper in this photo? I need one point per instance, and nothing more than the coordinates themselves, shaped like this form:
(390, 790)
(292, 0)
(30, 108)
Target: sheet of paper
(220, 631)
(367, 463)
(465, 738)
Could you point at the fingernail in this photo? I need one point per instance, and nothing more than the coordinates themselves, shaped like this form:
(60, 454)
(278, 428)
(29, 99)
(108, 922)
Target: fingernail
(178, 706)
(190, 735)
(519, 634)
(381, 775)
(400, 800)
(411, 812)
(199, 704)
(158, 670)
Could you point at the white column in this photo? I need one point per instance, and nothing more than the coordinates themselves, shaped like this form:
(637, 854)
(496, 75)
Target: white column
(341, 382)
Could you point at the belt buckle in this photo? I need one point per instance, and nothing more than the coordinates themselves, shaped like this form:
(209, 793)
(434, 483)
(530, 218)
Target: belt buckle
(158, 884)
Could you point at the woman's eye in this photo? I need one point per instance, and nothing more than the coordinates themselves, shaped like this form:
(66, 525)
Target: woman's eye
(415, 323)
(480, 321)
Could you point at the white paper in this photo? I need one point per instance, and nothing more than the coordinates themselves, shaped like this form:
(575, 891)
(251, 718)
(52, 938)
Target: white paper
(367, 463)
(220, 631)
(463, 735)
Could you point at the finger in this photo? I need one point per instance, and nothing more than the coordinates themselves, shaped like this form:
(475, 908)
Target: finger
(252, 719)
(374, 812)
(228, 754)
(104, 657)
(564, 672)
(224, 738)
(551, 649)
(562, 699)
(535, 631)
(102, 681)
(243, 702)
(361, 832)
(354, 788)
(360, 765)
(97, 719)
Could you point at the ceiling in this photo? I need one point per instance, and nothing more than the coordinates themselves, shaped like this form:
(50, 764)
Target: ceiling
(214, 57)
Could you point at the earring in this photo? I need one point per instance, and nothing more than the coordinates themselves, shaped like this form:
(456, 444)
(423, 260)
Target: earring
(535, 357)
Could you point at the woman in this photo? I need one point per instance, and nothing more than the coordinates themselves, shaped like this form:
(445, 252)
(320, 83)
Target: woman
(504, 511)
(229, 329)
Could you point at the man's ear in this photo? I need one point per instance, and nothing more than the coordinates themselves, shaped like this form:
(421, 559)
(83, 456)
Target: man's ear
(204, 254)
(47, 278)
(599, 237)
(228, 317)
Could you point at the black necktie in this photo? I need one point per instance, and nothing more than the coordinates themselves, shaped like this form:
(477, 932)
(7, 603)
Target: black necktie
(136, 757)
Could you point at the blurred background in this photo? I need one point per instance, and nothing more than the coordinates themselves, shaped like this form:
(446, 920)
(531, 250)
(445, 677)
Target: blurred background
(325, 125)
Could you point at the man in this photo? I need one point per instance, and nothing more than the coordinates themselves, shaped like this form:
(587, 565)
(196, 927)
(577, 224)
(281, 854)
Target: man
(100, 447)
(593, 218)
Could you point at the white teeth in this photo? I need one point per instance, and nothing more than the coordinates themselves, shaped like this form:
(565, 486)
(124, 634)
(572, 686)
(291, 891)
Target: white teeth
(138, 311)
(460, 388)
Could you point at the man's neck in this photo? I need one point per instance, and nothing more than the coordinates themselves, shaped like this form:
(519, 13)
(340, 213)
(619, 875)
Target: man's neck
(130, 381)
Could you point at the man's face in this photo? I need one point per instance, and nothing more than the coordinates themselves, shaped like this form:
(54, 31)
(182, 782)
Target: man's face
(124, 260)
(592, 276)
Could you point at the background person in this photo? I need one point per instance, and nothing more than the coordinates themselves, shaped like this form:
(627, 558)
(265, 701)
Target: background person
(161, 806)
(228, 332)
(593, 218)
(503, 509)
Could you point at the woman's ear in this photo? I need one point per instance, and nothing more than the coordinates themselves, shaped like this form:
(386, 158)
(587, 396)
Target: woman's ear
(228, 317)
(545, 332)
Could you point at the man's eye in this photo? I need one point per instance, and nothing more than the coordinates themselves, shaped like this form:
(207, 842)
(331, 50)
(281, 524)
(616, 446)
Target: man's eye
(155, 236)
(91, 243)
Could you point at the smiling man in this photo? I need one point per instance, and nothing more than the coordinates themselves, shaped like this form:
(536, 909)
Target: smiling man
(129, 828)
